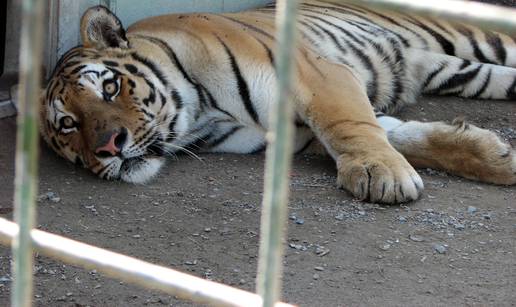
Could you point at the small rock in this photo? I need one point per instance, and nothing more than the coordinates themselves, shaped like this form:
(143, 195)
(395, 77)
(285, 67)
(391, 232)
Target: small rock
(5, 279)
(416, 238)
(298, 246)
(487, 216)
(339, 217)
(207, 229)
(472, 210)
(50, 196)
(319, 268)
(385, 247)
(441, 249)
(402, 219)
(300, 221)
(137, 236)
(459, 226)
(321, 251)
(316, 276)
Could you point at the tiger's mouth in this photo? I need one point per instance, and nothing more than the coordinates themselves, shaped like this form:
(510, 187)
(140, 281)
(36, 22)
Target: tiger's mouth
(141, 169)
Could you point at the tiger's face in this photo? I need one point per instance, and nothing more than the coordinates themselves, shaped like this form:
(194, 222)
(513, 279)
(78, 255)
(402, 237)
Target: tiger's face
(98, 112)
(106, 108)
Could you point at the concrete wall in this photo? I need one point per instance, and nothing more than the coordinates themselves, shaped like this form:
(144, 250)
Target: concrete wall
(130, 11)
(64, 17)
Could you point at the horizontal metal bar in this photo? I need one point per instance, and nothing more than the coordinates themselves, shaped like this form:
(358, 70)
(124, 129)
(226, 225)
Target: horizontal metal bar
(133, 270)
(480, 14)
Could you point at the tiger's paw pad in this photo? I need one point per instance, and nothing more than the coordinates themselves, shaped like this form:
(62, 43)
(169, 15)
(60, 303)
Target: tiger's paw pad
(380, 180)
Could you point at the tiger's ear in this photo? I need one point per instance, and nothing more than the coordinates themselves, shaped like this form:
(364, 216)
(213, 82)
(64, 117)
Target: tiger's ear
(100, 29)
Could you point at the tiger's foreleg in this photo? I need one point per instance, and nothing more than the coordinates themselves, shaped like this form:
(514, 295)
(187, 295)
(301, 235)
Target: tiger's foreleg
(333, 102)
(460, 148)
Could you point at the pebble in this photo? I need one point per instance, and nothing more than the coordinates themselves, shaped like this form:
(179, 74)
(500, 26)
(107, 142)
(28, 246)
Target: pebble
(385, 247)
(50, 196)
(321, 251)
(319, 268)
(459, 226)
(487, 216)
(300, 221)
(416, 238)
(316, 276)
(472, 210)
(339, 217)
(298, 246)
(402, 219)
(5, 279)
(441, 249)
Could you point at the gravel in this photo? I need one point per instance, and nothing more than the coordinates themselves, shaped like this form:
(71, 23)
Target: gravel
(472, 210)
(440, 248)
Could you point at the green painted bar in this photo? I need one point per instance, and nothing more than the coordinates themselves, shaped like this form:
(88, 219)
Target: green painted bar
(278, 160)
(27, 149)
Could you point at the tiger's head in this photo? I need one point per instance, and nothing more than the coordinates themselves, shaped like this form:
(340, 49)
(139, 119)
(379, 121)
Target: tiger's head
(109, 108)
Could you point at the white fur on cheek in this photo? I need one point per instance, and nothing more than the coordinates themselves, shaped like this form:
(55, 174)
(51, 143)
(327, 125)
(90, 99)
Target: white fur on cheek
(143, 172)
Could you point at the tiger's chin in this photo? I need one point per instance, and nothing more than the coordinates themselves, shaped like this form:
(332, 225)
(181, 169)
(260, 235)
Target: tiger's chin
(140, 170)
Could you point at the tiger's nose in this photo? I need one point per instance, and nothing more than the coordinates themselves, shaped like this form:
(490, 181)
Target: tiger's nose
(111, 144)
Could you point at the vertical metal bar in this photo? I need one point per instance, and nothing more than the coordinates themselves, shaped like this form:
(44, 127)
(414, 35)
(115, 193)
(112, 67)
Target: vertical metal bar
(27, 148)
(279, 157)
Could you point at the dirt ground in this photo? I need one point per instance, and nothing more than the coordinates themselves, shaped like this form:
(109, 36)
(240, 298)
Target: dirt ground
(455, 246)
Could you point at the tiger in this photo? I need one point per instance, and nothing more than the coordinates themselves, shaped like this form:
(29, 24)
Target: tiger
(125, 99)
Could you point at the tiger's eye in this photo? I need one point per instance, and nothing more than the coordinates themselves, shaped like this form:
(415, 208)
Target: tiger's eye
(110, 87)
(67, 122)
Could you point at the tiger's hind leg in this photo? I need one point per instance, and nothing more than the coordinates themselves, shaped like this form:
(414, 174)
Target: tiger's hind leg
(448, 75)
(460, 148)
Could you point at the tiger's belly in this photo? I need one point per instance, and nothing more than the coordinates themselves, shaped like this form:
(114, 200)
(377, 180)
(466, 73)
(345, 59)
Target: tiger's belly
(245, 140)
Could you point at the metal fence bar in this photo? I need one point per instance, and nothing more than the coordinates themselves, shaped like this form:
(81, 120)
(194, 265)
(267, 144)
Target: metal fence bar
(278, 161)
(483, 15)
(133, 270)
(31, 47)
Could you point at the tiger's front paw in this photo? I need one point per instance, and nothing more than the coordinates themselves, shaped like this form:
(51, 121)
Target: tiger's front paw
(379, 177)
